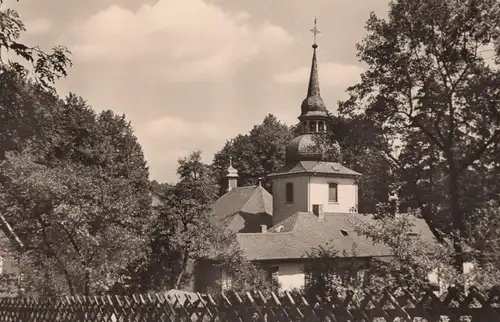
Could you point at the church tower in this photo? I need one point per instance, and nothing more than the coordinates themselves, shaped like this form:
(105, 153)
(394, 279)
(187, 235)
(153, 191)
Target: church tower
(310, 180)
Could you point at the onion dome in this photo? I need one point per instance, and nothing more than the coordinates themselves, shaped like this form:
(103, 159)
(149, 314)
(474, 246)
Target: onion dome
(308, 147)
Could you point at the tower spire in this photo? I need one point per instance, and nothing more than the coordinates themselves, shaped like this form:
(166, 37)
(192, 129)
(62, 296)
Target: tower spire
(313, 101)
(313, 88)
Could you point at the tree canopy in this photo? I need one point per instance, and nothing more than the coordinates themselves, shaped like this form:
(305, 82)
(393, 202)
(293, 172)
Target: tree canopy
(256, 154)
(78, 198)
(431, 83)
(46, 66)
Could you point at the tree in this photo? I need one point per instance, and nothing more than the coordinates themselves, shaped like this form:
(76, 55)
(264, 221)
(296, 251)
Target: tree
(362, 145)
(256, 154)
(23, 106)
(409, 266)
(183, 230)
(186, 232)
(428, 80)
(47, 67)
(79, 199)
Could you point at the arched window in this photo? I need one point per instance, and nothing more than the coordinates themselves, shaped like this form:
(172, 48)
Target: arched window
(312, 126)
(321, 126)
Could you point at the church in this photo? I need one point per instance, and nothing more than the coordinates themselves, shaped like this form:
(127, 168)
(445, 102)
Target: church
(314, 201)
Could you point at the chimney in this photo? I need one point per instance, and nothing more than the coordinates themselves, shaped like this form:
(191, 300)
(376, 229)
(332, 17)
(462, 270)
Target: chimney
(232, 176)
(318, 211)
(263, 228)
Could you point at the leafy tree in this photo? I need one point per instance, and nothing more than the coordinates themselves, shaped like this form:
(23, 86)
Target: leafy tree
(256, 154)
(79, 199)
(23, 106)
(47, 67)
(185, 232)
(411, 262)
(485, 236)
(360, 144)
(429, 84)
(244, 275)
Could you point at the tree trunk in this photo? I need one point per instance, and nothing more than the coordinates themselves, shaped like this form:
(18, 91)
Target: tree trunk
(182, 272)
(458, 216)
(87, 284)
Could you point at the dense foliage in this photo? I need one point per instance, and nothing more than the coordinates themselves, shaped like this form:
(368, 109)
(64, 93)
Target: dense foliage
(256, 154)
(78, 197)
(185, 232)
(433, 82)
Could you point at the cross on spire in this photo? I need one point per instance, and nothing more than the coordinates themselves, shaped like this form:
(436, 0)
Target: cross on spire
(315, 32)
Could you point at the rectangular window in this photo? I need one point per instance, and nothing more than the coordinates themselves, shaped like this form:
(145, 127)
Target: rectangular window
(289, 192)
(332, 192)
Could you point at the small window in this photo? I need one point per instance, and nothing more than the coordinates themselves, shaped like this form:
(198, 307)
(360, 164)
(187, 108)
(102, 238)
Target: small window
(332, 192)
(321, 126)
(289, 192)
(312, 126)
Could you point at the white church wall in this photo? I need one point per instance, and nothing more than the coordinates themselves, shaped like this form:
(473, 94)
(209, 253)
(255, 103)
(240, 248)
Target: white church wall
(347, 194)
(291, 276)
(282, 209)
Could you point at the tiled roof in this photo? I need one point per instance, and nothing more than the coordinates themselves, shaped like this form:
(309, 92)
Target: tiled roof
(319, 167)
(245, 208)
(303, 231)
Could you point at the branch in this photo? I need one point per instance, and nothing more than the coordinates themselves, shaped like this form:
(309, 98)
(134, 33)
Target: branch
(479, 152)
(426, 214)
(54, 254)
(426, 132)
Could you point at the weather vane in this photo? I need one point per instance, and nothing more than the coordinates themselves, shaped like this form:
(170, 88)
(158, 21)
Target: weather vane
(315, 31)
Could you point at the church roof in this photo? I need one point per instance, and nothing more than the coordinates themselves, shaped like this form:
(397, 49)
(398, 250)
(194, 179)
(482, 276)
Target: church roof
(315, 167)
(301, 232)
(244, 209)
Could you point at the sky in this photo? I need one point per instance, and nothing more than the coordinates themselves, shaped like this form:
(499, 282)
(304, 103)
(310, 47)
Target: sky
(191, 74)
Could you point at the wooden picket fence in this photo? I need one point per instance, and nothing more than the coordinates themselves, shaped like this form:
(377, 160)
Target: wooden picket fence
(393, 305)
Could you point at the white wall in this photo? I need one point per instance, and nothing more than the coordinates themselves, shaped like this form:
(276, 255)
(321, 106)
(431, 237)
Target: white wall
(346, 194)
(291, 276)
(311, 190)
(281, 209)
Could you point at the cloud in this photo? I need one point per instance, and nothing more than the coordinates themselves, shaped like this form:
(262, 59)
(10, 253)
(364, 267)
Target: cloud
(188, 40)
(167, 139)
(190, 74)
(38, 26)
(332, 74)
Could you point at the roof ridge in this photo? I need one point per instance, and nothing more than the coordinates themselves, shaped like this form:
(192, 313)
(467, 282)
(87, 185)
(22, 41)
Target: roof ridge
(262, 191)
(246, 202)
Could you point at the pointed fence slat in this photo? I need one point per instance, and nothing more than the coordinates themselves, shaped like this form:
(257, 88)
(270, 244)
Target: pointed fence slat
(386, 305)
